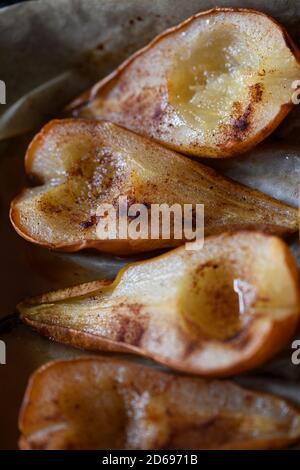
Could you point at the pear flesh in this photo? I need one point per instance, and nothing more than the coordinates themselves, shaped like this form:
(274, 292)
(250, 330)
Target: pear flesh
(96, 403)
(77, 165)
(214, 86)
(215, 311)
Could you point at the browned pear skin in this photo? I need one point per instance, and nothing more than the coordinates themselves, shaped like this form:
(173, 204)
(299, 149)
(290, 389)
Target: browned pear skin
(97, 403)
(76, 165)
(215, 311)
(215, 85)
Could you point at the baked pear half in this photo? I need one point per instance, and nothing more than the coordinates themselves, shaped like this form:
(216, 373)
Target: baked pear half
(214, 86)
(215, 311)
(77, 166)
(96, 403)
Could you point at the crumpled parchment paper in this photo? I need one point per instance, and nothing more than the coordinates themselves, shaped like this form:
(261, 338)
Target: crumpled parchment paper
(50, 51)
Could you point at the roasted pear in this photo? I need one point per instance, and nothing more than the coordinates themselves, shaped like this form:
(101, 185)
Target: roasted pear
(95, 403)
(213, 86)
(77, 165)
(216, 311)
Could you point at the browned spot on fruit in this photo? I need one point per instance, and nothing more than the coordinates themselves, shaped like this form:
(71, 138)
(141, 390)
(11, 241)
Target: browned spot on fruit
(50, 208)
(256, 92)
(128, 328)
(157, 113)
(236, 109)
(130, 331)
(89, 223)
(136, 105)
(241, 121)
